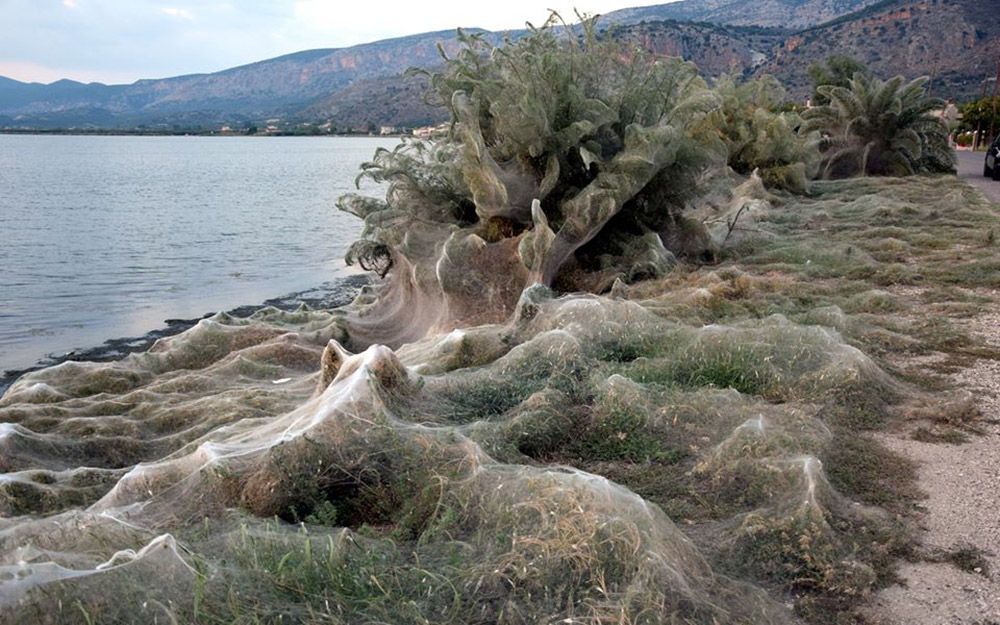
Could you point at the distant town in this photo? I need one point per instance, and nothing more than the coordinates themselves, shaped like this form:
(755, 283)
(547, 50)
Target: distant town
(272, 128)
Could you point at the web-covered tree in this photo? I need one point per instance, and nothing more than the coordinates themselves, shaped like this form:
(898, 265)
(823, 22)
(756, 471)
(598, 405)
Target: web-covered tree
(760, 137)
(837, 70)
(880, 128)
(569, 163)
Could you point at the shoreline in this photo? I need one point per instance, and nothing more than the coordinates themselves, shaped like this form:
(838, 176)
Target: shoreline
(331, 294)
(109, 132)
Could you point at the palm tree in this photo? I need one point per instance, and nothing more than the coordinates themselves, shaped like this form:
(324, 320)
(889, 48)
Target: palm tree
(880, 128)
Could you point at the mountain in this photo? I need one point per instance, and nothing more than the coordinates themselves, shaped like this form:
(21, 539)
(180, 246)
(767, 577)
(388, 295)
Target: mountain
(384, 101)
(350, 87)
(14, 94)
(278, 87)
(955, 42)
(792, 14)
(713, 48)
(356, 87)
(399, 101)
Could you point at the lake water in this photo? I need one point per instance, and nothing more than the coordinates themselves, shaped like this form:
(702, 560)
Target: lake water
(105, 237)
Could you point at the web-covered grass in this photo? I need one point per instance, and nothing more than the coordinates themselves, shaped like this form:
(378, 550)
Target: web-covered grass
(688, 450)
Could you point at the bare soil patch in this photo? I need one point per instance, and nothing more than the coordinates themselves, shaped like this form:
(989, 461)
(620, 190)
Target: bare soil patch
(957, 578)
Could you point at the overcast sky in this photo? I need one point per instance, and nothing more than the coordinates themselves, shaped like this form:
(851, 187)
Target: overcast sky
(120, 41)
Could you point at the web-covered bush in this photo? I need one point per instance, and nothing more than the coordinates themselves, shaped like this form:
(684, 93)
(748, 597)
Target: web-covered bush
(575, 146)
(760, 137)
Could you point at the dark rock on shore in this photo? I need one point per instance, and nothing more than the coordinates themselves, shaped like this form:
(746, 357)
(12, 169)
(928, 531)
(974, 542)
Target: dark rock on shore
(327, 295)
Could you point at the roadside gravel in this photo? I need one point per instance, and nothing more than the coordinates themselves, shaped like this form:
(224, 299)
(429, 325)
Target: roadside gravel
(962, 509)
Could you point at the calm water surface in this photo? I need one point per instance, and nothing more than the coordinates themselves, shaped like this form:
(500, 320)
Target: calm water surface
(104, 237)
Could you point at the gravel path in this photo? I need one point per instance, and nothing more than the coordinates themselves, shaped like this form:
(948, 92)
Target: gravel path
(962, 509)
(962, 483)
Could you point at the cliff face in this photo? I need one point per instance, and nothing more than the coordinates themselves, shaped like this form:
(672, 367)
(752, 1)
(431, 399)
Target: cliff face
(773, 13)
(955, 42)
(714, 49)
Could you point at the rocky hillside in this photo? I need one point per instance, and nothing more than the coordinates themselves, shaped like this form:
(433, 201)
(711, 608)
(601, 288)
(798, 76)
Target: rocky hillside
(279, 87)
(386, 101)
(714, 49)
(956, 42)
(397, 101)
(351, 87)
(953, 40)
(774, 13)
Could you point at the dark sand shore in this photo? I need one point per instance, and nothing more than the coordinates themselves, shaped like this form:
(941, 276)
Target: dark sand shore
(327, 295)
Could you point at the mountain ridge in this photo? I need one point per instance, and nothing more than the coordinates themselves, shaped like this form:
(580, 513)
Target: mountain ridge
(361, 86)
(791, 14)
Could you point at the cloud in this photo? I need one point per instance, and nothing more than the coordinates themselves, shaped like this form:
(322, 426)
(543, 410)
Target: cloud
(70, 4)
(183, 14)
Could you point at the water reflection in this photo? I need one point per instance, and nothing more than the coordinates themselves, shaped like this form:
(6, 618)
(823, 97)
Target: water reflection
(109, 236)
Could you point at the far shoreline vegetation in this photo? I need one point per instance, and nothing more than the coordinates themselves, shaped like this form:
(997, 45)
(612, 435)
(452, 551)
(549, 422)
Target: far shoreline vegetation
(269, 128)
(972, 116)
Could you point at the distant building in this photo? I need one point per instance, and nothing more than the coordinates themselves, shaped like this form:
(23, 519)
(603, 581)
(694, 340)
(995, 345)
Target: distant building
(428, 132)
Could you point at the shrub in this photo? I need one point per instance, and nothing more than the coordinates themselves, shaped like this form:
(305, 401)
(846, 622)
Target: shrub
(758, 137)
(575, 144)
